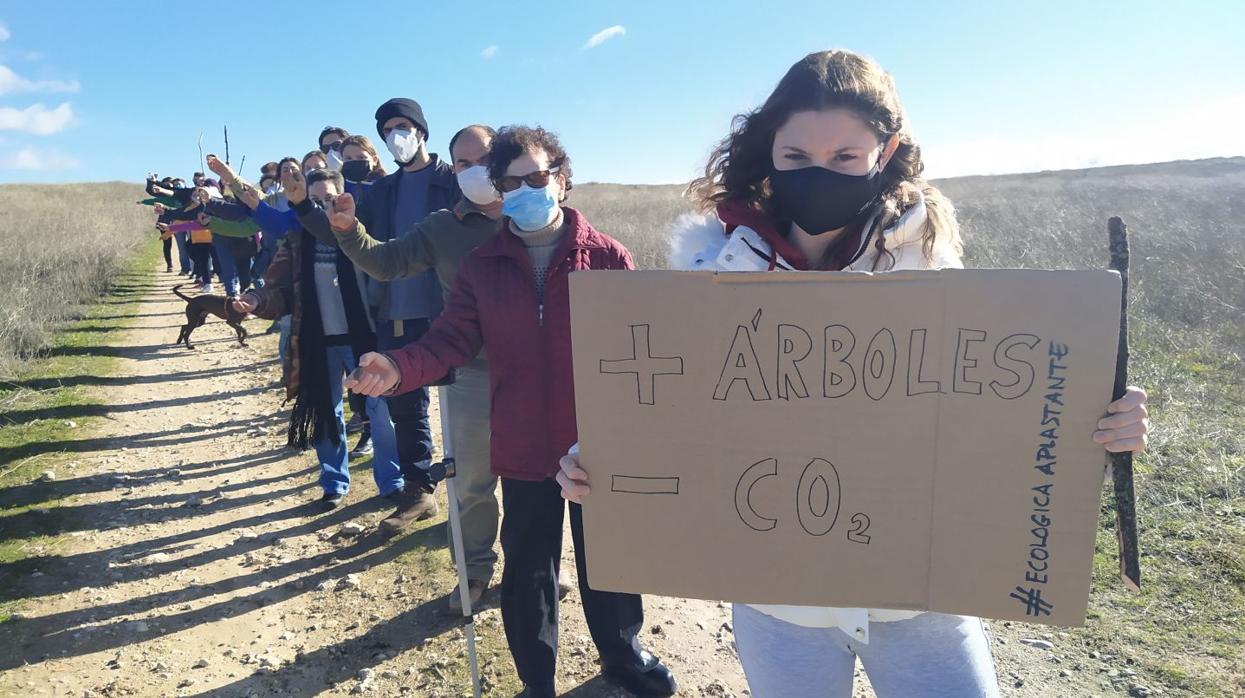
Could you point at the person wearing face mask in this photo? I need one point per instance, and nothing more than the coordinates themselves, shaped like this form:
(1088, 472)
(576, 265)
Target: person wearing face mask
(360, 162)
(511, 299)
(825, 176)
(322, 291)
(404, 307)
(313, 160)
(331, 138)
(441, 242)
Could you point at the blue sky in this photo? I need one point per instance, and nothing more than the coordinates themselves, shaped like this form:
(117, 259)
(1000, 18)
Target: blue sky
(102, 91)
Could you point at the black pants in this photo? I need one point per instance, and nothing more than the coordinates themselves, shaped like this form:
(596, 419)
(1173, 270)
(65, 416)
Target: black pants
(200, 260)
(531, 543)
(168, 252)
(409, 411)
(216, 268)
(358, 405)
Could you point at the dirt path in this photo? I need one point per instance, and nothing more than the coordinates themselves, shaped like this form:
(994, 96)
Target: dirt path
(197, 562)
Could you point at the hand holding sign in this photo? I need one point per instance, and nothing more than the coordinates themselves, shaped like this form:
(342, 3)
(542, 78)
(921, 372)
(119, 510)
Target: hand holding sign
(1127, 429)
(572, 478)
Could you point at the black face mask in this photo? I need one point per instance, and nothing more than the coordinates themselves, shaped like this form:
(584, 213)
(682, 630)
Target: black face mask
(819, 200)
(356, 170)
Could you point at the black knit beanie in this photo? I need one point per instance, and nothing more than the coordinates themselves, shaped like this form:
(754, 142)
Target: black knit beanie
(401, 106)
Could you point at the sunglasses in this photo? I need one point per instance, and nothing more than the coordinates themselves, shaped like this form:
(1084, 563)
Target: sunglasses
(331, 146)
(535, 180)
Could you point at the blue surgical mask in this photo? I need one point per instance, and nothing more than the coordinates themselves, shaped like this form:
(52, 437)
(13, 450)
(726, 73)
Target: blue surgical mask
(530, 208)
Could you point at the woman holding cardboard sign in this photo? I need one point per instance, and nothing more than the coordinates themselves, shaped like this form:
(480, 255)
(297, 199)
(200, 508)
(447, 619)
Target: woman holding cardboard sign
(825, 176)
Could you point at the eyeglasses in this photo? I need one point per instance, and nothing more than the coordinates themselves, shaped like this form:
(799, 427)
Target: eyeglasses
(535, 180)
(331, 146)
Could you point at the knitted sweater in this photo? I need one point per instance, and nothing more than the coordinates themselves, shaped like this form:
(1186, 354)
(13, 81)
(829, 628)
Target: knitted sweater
(541, 244)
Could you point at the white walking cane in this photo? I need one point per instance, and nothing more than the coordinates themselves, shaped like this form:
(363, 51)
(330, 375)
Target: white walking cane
(447, 470)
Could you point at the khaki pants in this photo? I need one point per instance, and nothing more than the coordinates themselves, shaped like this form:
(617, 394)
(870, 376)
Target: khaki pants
(468, 398)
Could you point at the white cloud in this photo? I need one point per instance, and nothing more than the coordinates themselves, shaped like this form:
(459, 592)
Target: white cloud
(603, 36)
(4, 33)
(12, 82)
(36, 119)
(33, 159)
(489, 51)
(1141, 142)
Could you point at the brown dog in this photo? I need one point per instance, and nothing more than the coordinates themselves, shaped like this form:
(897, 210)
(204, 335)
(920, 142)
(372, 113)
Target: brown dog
(199, 307)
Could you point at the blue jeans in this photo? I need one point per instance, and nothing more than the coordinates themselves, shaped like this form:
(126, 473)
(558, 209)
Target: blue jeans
(263, 258)
(409, 410)
(933, 654)
(234, 255)
(183, 255)
(334, 457)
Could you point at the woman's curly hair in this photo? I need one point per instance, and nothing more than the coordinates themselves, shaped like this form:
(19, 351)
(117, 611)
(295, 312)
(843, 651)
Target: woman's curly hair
(740, 166)
(512, 141)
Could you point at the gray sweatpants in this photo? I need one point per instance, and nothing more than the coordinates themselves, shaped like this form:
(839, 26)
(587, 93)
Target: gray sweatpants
(468, 398)
(933, 654)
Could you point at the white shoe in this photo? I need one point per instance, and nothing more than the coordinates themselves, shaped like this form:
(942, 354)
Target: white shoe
(205, 288)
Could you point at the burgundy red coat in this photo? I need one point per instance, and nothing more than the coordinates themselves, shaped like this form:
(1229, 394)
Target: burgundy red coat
(494, 306)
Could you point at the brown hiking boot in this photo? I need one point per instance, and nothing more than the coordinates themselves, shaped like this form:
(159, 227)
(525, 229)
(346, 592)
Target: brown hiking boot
(476, 588)
(412, 506)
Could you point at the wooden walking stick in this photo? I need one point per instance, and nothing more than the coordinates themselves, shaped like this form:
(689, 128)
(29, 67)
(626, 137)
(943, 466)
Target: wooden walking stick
(446, 470)
(226, 145)
(1122, 463)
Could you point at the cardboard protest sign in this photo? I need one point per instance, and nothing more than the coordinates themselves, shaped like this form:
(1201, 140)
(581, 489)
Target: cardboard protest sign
(912, 440)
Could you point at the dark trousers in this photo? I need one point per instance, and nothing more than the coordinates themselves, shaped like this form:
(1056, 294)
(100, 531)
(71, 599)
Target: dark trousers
(409, 411)
(358, 405)
(531, 543)
(168, 252)
(243, 252)
(200, 260)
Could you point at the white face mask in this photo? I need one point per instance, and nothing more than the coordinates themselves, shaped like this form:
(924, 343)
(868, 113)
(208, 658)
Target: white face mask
(334, 160)
(477, 187)
(403, 145)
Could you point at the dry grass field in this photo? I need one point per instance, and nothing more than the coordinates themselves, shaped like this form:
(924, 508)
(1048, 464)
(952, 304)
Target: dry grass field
(62, 246)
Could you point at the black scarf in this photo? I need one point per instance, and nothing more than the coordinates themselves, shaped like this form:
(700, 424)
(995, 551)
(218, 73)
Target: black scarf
(314, 416)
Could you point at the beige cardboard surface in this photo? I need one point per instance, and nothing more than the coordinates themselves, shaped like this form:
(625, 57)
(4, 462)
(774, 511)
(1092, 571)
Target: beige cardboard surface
(914, 440)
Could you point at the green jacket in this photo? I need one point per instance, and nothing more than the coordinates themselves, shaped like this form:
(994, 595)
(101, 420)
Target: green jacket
(233, 229)
(441, 241)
